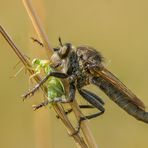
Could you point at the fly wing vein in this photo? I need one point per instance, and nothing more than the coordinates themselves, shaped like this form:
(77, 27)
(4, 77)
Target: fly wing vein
(107, 75)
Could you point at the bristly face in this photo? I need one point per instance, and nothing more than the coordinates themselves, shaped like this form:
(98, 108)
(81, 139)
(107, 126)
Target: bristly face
(61, 53)
(63, 50)
(90, 57)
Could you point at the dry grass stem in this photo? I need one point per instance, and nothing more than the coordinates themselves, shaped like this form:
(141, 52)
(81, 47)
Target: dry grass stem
(37, 26)
(39, 29)
(79, 140)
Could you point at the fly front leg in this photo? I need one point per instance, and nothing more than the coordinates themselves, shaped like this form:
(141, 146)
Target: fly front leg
(94, 100)
(71, 96)
(72, 91)
(55, 74)
(46, 102)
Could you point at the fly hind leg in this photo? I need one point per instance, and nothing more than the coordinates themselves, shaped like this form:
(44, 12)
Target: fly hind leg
(94, 100)
(80, 106)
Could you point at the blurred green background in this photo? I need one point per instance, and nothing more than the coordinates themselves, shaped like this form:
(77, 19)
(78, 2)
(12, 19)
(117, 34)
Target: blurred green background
(117, 28)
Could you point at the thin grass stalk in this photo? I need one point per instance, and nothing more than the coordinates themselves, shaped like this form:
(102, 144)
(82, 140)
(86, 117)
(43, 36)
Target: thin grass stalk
(60, 112)
(39, 29)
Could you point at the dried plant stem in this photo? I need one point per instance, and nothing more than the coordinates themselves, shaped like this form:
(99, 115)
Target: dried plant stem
(79, 140)
(41, 33)
(37, 26)
(84, 126)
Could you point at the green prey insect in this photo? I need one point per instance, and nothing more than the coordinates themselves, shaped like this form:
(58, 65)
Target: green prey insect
(55, 88)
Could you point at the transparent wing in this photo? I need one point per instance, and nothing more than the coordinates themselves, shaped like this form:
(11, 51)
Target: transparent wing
(108, 76)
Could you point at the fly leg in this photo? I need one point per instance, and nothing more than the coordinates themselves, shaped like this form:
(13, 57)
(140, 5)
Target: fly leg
(72, 91)
(94, 100)
(93, 95)
(55, 74)
(71, 96)
(80, 106)
(46, 102)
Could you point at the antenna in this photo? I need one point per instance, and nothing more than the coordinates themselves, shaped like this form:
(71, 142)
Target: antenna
(60, 41)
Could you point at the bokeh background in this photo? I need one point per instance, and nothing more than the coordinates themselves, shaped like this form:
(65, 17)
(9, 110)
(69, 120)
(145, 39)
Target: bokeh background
(117, 28)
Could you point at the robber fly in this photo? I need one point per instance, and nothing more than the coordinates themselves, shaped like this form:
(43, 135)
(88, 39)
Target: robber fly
(82, 66)
(110, 84)
(66, 57)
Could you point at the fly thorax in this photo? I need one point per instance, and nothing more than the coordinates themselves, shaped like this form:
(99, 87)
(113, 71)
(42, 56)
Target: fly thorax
(72, 64)
(82, 81)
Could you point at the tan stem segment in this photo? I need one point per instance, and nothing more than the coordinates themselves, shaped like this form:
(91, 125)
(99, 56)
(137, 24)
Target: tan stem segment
(79, 140)
(41, 33)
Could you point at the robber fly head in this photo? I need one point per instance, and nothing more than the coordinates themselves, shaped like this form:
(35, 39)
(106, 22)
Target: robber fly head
(63, 50)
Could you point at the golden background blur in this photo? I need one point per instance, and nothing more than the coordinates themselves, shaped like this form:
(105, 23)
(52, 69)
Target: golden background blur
(117, 28)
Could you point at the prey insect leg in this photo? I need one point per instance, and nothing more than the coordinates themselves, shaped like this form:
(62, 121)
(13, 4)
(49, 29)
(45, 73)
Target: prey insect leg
(55, 74)
(44, 103)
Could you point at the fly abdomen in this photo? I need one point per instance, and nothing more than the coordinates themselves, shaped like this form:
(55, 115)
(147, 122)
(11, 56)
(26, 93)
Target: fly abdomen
(121, 99)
